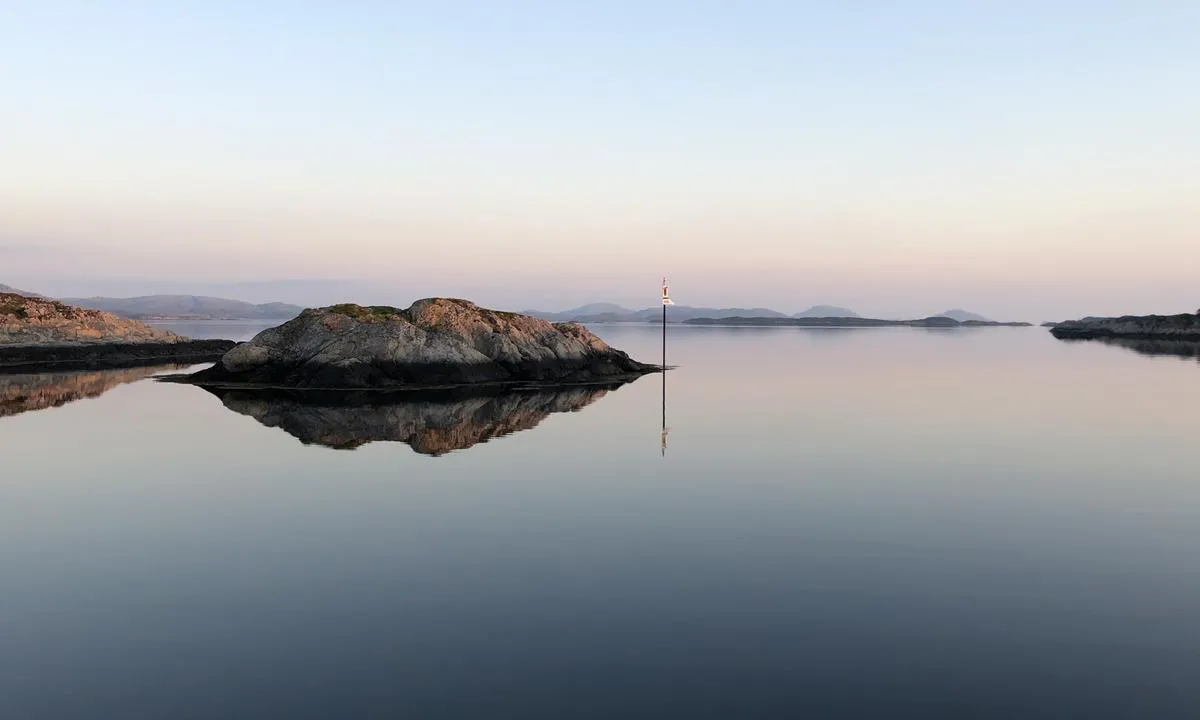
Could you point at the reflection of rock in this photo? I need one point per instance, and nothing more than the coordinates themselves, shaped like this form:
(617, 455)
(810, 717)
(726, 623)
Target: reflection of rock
(431, 423)
(1175, 348)
(23, 393)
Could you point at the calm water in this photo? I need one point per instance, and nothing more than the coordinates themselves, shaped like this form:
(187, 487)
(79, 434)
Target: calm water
(869, 523)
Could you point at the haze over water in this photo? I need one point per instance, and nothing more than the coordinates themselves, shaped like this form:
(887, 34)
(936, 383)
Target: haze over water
(870, 523)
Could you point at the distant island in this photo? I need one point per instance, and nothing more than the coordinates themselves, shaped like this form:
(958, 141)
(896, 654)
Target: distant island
(965, 316)
(174, 307)
(610, 313)
(826, 311)
(1183, 327)
(168, 308)
(613, 313)
(37, 334)
(436, 342)
(936, 321)
(187, 307)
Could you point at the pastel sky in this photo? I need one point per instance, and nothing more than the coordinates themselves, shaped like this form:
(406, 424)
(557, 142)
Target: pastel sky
(1027, 160)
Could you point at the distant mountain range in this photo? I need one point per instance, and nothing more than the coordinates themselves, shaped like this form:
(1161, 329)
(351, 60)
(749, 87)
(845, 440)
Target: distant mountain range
(187, 307)
(14, 291)
(175, 307)
(610, 312)
(934, 321)
(607, 312)
(200, 307)
(965, 316)
(826, 311)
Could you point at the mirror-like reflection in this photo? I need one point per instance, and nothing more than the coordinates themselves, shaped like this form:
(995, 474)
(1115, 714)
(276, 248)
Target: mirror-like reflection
(665, 429)
(20, 393)
(433, 423)
(1174, 348)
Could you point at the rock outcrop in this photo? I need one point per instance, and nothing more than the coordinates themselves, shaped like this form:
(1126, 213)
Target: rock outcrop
(435, 342)
(429, 423)
(1185, 327)
(36, 321)
(37, 334)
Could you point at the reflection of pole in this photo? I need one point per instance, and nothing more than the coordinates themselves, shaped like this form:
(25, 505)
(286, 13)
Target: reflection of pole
(663, 441)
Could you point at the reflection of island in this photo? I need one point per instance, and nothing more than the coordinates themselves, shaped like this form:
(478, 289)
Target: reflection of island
(1174, 348)
(37, 391)
(430, 423)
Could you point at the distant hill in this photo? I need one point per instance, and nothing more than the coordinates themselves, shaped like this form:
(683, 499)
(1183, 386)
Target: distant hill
(683, 313)
(609, 312)
(189, 307)
(819, 311)
(14, 291)
(964, 316)
(937, 321)
(589, 310)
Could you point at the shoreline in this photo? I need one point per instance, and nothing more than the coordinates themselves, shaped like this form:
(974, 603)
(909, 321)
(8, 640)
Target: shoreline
(108, 356)
(413, 388)
(1183, 328)
(939, 323)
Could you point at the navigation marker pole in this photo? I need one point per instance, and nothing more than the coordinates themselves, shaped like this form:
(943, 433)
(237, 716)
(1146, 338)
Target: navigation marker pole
(666, 300)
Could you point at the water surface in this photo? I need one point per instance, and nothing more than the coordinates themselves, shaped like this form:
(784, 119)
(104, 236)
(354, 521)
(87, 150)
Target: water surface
(859, 523)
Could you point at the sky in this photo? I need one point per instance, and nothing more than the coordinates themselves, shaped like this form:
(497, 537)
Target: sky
(1026, 160)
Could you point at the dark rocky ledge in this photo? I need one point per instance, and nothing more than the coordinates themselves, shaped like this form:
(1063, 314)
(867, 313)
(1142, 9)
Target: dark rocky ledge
(1185, 327)
(434, 343)
(100, 356)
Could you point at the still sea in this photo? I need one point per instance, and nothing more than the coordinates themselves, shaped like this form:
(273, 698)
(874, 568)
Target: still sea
(882, 523)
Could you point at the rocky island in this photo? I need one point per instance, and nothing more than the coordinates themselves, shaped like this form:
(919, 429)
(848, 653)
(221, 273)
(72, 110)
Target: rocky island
(437, 342)
(39, 334)
(1182, 328)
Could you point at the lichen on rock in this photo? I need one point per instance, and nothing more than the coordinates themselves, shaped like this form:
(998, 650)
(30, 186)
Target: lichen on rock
(36, 321)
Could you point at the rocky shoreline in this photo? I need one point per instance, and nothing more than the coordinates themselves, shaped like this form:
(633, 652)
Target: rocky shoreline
(101, 356)
(1184, 327)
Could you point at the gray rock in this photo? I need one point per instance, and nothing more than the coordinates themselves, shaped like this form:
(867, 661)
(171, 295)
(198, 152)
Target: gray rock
(1184, 327)
(434, 342)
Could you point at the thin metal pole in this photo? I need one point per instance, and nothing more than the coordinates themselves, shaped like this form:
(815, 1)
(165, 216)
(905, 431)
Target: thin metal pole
(664, 374)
